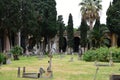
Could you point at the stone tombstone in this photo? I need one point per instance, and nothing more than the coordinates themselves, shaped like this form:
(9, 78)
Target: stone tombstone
(41, 71)
(9, 55)
(79, 53)
(49, 74)
(96, 73)
(115, 77)
(71, 59)
(18, 71)
(8, 59)
(23, 70)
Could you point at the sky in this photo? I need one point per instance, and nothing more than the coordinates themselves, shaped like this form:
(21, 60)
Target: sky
(65, 7)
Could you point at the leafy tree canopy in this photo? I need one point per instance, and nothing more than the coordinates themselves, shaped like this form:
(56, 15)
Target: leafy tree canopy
(113, 17)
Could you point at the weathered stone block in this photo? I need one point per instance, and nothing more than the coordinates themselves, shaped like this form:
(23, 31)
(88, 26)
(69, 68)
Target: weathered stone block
(115, 77)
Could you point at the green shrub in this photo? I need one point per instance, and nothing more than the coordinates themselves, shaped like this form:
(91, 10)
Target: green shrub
(115, 53)
(102, 54)
(1, 57)
(90, 55)
(16, 50)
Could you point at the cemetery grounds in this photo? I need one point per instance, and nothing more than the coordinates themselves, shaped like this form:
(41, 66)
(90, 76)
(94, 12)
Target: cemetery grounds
(61, 67)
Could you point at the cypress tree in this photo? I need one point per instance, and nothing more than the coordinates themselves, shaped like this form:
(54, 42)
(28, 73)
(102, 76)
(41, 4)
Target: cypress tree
(113, 17)
(61, 31)
(83, 33)
(113, 20)
(114, 1)
(96, 32)
(70, 32)
(49, 15)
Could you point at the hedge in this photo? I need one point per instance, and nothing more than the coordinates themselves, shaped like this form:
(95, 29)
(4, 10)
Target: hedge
(102, 54)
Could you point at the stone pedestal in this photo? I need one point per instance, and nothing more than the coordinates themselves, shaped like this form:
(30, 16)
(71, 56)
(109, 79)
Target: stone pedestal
(115, 77)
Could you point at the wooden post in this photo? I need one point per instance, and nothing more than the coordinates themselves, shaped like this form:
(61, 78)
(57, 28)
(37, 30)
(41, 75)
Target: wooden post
(18, 71)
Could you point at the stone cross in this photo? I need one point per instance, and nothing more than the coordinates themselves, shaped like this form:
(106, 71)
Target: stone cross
(49, 70)
(50, 62)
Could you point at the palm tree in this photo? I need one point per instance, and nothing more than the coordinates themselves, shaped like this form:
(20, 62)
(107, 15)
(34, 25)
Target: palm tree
(99, 37)
(90, 11)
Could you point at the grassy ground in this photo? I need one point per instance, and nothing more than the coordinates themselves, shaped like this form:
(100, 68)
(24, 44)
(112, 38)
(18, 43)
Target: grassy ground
(62, 69)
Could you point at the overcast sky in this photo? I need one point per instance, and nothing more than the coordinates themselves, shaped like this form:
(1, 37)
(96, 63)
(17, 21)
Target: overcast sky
(64, 7)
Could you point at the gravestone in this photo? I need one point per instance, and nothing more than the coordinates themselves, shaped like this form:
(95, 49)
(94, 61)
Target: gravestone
(71, 59)
(102, 64)
(41, 71)
(115, 77)
(18, 71)
(8, 57)
(40, 55)
(61, 54)
(8, 61)
(27, 53)
(79, 53)
(23, 70)
(96, 73)
(29, 75)
(47, 74)
(111, 59)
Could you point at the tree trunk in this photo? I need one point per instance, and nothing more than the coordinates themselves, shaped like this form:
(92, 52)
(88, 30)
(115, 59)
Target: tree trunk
(90, 44)
(113, 39)
(91, 24)
(18, 39)
(7, 42)
(49, 46)
(15, 57)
